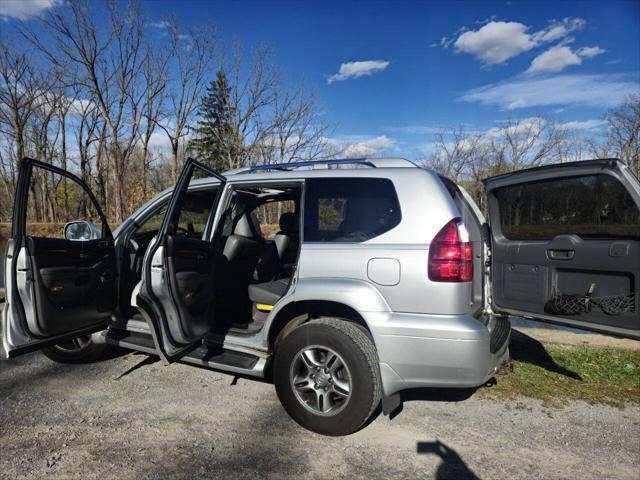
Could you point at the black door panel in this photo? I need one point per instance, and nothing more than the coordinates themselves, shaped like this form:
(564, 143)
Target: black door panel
(566, 245)
(178, 272)
(58, 289)
(74, 284)
(190, 265)
(525, 279)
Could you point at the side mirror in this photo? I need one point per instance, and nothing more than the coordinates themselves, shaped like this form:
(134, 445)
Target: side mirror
(82, 231)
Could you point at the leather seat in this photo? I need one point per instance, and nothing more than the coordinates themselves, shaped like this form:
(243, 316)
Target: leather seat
(241, 253)
(281, 256)
(287, 240)
(244, 247)
(268, 293)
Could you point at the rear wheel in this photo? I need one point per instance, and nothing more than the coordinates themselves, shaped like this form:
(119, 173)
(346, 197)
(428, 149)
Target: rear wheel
(326, 376)
(79, 350)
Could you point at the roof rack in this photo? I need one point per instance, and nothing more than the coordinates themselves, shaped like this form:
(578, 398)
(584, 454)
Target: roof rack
(369, 162)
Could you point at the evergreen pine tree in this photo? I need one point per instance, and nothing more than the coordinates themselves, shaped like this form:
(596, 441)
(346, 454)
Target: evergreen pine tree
(215, 136)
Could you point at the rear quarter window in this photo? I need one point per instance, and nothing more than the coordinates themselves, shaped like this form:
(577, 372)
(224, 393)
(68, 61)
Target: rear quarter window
(349, 209)
(588, 206)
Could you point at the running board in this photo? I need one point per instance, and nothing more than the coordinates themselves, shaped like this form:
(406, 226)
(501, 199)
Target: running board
(142, 342)
(228, 360)
(212, 357)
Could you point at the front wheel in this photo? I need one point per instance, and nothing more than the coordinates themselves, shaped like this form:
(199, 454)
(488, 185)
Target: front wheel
(79, 350)
(326, 376)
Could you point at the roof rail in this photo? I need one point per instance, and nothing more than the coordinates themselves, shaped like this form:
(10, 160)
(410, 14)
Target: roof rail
(369, 162)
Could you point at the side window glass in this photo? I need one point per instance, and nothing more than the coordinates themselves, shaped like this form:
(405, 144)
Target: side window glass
(588, 206)
(331, 212)
(58, 207)
(268, 215)
(153, 223)
(194, 213)
(349, 209)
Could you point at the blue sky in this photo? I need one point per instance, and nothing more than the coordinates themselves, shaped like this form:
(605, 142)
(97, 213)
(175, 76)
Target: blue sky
(426, 65)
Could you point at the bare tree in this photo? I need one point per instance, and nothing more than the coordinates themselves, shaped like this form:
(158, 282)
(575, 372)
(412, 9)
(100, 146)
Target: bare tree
(622, 139)
(455, 152)
(22, 90)
(155, 81)
(191, 56)
(524, 143)
(109, 70)
(252, 95)
(297, 132)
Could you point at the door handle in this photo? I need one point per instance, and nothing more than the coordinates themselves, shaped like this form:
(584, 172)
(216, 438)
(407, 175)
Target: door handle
(560, 254)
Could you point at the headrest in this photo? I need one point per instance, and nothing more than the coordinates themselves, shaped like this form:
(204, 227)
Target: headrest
(289, 222)
(247, 226)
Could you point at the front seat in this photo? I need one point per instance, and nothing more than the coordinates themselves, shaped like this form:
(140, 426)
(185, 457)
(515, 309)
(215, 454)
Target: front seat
(280, 258)
(242, 251)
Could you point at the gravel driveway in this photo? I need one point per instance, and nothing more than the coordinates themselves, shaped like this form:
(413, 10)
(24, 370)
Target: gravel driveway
(131, 417)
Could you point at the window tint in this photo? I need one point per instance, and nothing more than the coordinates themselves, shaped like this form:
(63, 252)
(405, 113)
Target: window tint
(589, 206)
(349, 209)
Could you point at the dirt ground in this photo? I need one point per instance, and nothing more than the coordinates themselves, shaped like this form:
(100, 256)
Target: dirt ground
(129, 416)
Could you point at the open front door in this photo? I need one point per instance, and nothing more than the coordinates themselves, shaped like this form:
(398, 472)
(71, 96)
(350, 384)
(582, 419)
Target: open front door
(566, 245)
(60, 263)
(177, 290)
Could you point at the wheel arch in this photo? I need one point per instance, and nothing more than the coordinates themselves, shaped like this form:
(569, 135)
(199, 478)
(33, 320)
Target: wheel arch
(348, 299)
(297, 313)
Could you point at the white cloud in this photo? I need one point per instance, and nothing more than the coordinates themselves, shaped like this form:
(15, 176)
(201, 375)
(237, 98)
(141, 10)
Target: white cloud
(560, 57)
(527, 126)
(554, 60)
(25, 9)
(357, 69)
(444, 42)
(590, 52)
(162, 24)
(414, 129)
(159, 141)
(360, 146)
(497, 42)
(603, 90)
(583, 125)
(557, 30)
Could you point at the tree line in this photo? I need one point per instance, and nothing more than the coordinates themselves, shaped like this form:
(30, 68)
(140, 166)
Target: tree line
(98, 96)
(468, 156)
(122, 102)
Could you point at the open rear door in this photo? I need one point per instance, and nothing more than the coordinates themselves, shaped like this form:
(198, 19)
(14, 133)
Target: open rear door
(566, 245)
(60, 266)
(177, 290)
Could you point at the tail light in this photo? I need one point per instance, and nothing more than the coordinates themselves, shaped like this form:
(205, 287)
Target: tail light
(450, 259)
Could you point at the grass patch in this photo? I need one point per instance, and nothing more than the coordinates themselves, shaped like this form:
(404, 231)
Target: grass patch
(557, 374)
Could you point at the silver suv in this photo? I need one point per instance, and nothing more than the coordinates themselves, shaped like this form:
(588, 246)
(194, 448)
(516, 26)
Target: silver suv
(380, 276)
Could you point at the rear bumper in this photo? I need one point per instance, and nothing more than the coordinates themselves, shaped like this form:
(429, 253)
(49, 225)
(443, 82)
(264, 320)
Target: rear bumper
(453, 351)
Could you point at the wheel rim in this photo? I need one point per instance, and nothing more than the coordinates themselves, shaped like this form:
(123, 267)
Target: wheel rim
(75, 345)
(321, 380)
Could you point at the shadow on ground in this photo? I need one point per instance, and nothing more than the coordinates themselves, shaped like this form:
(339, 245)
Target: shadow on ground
(451, 466)
(526, 349)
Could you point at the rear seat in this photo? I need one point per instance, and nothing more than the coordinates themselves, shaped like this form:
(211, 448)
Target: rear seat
(268, 293)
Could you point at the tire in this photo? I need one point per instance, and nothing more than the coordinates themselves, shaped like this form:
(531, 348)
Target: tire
(349, 383)
(78, 350)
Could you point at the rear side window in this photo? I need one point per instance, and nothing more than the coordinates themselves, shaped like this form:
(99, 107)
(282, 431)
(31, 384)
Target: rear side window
(588, 206)
(349, 209)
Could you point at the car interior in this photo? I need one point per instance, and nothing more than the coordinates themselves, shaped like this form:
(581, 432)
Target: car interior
(256, 250)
